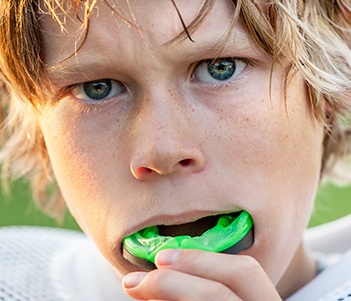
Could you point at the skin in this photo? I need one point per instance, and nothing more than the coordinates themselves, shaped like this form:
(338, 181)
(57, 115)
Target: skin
(170, 148)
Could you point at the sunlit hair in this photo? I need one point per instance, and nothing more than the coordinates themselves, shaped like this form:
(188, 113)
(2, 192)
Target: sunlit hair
(313, 36)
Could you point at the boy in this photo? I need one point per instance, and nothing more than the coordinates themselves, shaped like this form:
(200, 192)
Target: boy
(143, 123)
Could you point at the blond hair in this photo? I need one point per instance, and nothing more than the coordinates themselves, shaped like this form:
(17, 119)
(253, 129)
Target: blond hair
(313, 36)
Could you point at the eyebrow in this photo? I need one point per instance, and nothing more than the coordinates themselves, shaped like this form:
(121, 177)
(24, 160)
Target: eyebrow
(82, 64)
(74, 67)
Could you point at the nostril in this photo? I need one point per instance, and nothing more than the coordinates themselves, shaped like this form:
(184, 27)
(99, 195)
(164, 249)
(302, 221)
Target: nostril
(142, 170)
(185, 162)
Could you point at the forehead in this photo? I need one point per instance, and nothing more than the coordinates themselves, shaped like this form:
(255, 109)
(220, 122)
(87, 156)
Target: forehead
(133, 13)
(127, 24)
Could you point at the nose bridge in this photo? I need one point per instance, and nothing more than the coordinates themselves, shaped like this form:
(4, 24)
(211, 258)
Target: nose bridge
(163, 120)
(160, 125)
(164, 141)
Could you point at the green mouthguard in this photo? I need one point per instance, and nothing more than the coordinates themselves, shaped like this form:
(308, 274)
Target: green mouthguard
(229, 230)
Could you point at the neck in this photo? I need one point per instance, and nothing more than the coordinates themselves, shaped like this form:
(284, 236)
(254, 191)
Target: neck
(301, 270)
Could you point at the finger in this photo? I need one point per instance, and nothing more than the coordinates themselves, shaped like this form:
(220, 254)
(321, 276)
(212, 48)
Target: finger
(242, 274)
(172, 285)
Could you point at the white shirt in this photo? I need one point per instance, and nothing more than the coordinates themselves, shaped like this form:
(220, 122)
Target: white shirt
(48, 264)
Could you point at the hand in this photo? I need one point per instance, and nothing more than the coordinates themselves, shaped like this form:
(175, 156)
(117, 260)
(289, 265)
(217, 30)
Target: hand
(185, 275)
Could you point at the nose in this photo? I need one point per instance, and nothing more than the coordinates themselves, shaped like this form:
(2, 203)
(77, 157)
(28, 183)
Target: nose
(166, 142)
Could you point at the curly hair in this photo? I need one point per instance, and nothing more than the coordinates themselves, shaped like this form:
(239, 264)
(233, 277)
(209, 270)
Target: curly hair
(313, 36)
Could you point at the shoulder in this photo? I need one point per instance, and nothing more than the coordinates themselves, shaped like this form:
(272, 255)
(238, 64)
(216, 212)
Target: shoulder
(32, 234)
(49, 264)
(26, 255)
(332, 245)
(332, 237)
(334, 283)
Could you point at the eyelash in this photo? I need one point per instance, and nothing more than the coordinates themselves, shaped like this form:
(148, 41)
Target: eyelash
(223, 82)
(88, 106)
(79, 91)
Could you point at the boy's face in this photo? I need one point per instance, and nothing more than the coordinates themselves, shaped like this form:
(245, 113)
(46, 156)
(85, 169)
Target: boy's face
(164, 137)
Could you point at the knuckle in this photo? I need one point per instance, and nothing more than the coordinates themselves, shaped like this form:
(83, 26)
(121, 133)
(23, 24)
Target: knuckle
(250, 263)
(242, 266)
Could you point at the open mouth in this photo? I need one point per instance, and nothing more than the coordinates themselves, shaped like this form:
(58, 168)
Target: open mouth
(228, 233)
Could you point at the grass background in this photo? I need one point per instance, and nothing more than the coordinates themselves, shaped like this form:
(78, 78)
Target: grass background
(18, 209)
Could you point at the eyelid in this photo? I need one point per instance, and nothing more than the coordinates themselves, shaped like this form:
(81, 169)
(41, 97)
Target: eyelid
(217, 82)
(77, 90)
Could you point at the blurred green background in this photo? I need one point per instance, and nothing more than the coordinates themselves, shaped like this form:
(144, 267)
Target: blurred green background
(17, 208)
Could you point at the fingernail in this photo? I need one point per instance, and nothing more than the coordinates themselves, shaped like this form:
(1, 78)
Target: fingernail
(167, 257)
(133, 279)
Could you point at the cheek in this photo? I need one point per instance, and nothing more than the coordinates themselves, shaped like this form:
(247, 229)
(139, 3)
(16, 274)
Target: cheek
(290, 152)
(273, 147)
(81, 154)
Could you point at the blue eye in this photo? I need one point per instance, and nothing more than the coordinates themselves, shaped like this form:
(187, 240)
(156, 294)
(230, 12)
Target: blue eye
(219, 70)
(98, 90)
